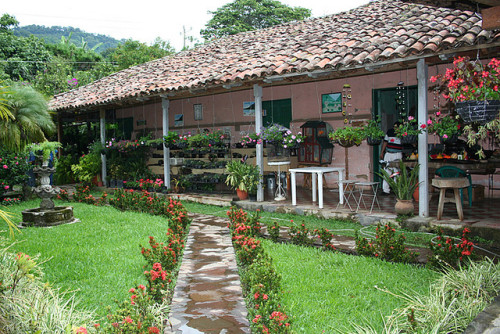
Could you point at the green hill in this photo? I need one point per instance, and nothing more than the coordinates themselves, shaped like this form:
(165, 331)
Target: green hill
(78, 37)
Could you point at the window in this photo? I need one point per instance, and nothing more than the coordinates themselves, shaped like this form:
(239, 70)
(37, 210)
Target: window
(198, 112)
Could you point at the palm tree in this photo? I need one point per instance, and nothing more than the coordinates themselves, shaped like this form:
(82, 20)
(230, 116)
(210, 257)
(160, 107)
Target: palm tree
(5, 113)
(30, 121)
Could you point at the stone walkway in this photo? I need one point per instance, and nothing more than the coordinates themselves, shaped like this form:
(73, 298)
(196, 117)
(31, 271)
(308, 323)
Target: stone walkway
(208, 296)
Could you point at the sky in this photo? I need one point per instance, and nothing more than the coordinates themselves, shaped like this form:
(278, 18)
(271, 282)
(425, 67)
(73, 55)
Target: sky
(142, 21)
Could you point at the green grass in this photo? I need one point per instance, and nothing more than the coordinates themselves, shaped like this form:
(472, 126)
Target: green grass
(326, 292)
(98, 257)
(337, 226)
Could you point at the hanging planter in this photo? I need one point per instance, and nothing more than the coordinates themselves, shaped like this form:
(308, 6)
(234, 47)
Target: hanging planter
(373, 141)
(409, 139)
(348, 136)
(481, 112)
(346, 142)
(449, 140)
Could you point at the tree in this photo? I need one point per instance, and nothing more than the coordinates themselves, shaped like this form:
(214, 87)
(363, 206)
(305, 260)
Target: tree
(7, 21)
(247, 15)
(31, 121)
(133, 53)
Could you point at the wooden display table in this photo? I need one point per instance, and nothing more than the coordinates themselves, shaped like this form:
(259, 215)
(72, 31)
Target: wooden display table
(450, 183)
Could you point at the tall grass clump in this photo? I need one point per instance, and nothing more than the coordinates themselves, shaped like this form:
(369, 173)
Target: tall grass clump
(451, 303)
(28, 305)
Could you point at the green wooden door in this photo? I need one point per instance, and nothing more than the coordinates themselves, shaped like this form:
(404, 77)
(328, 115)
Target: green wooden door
(277, 111)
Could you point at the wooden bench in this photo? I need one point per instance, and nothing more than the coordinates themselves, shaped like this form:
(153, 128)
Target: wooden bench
(450, 183)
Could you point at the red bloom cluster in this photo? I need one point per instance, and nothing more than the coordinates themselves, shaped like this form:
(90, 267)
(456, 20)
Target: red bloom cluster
(446, 252)
(470, 80)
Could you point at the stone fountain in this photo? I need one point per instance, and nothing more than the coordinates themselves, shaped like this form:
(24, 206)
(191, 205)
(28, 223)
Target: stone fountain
(47, 214)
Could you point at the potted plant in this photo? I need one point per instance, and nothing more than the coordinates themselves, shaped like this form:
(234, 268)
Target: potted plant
(446, 127)
(216, 138)
(473, 88)
(409, 130)
(44, 149)
(403, 185)
(279, 141)
(373, 132)
(291, 140)
(251, 140)
(348, 136)
(242, 177)
(171, 139)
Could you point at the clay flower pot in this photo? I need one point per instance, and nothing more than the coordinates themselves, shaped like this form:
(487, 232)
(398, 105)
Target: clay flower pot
(404, 207)
(242, 195)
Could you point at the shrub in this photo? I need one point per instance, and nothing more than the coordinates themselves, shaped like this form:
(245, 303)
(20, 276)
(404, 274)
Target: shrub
(158, 282)
(445, 252)
(387, 245)
(326, 237)
(300, 235)
(13, 169)
(274, 231)
(261, 284)
(152, 203)
(138, 315)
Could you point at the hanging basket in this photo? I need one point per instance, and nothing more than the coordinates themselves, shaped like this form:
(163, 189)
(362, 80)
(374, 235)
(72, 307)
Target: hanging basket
(410, 139)
(346, 142)
(481, 112)
(450, 140)
(373, 141)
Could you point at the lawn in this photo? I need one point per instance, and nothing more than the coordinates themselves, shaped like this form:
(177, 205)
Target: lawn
(326, 292)
(98, 257)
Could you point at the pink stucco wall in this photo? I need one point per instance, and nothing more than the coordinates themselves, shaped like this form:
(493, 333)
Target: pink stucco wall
(226, 109)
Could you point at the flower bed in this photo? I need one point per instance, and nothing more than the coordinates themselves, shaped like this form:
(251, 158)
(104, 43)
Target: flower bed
(261, 283)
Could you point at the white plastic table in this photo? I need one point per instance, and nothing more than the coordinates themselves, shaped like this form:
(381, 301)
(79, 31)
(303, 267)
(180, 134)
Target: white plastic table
(317, 176)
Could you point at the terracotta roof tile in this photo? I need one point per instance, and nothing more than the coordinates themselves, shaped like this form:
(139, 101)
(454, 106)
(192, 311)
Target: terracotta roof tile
(371, 33)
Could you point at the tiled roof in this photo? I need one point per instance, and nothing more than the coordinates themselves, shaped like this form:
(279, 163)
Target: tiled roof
(375, 32)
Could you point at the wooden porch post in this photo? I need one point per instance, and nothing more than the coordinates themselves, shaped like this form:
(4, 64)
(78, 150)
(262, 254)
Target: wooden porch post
(257, 92)
(165, 104)
(102, 125)
(423, 177)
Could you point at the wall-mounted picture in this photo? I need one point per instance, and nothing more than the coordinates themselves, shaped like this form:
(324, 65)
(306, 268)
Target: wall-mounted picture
(179, 120)
(331, 102)
(248, 108)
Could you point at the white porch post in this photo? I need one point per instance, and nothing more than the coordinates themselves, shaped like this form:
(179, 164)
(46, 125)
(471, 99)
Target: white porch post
(257, 93)
(165, 105)
(423, 178)
(102, 125)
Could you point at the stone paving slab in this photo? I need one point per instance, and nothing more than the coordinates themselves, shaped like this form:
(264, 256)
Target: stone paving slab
(208, 296)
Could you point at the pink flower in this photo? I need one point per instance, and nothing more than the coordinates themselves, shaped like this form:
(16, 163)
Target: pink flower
(429, 121)
(411, 118)
(5, 166)
(128, 319)
(81, 330)
(445, 136)
(6, 187)
(438, 113)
